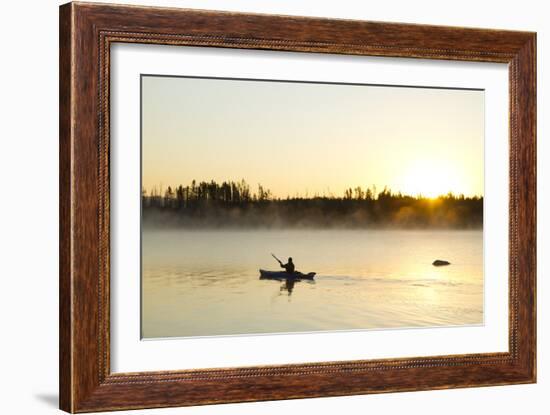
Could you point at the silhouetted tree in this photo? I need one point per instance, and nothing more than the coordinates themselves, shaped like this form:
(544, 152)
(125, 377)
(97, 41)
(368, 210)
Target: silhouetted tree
(233, 203)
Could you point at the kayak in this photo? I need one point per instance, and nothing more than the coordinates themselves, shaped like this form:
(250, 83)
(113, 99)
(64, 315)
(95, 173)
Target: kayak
(284, 275)
(279, 275)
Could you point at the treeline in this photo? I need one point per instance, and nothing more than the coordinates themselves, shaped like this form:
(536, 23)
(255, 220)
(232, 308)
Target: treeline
(235, 204)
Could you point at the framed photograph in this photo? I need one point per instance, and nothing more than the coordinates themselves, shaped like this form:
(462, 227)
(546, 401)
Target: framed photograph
(258, 207)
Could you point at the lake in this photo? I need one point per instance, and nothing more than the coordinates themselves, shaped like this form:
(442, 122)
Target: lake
(206, 282)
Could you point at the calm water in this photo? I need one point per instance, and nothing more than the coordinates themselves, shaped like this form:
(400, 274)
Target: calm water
(204, 283)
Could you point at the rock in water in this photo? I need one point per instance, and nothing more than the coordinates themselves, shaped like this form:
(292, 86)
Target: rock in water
(440, 262)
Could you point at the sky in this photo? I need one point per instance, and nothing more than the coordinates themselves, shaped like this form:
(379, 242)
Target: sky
(311, 139)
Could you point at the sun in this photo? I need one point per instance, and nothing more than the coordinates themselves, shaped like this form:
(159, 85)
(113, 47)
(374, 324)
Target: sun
(430, 179)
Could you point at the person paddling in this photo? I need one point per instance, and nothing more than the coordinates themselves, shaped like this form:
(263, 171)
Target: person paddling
(289, 266)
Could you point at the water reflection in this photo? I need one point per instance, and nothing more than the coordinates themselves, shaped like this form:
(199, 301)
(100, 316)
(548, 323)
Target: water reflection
(288, 283)
(204, 283)
(288, 286)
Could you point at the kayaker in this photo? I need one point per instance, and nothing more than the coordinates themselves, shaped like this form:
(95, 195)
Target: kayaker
(289, 266)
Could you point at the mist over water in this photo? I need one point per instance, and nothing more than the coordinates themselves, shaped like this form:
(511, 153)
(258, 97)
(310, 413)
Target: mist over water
(209, 204)
(206, 282)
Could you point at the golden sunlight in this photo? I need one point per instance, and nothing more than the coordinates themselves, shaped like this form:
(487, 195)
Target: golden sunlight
(431, 179)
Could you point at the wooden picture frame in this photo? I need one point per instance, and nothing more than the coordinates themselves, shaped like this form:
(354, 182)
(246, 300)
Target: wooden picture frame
(86, 33)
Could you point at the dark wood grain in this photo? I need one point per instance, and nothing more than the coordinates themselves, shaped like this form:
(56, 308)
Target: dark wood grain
(86, 33)
(65, 247)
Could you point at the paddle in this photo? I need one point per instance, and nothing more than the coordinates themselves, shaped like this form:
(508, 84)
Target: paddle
(278, 260)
